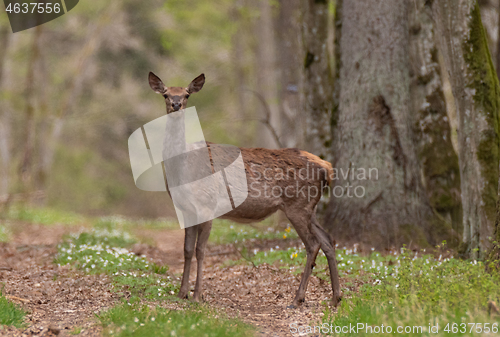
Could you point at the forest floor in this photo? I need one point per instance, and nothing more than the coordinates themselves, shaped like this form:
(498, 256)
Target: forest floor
(63, 275)
(63, 301)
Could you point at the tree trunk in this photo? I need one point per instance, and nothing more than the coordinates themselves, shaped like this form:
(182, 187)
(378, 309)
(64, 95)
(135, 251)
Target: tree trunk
(25, 168)
(498, 43)
(4, 117)
(73, 92)
(266, 78)
(475, 88)
(318, 79)
(238, 55)
(337, 59)
(377, 197)
(440, 170)
(289, 65)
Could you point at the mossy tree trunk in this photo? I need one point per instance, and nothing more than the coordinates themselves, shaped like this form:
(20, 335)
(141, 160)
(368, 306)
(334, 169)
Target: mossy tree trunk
(318, 78)
(378, 197)
(438, 159)
(475, 87)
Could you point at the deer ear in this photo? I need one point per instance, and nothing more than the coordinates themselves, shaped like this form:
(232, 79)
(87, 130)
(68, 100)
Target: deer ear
(196, 84)
(156, 84)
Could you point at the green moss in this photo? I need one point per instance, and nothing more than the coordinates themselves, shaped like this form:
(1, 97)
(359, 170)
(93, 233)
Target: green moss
(414, 234)
(485, 84)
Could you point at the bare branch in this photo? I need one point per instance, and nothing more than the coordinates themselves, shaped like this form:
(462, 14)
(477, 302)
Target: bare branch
(267, 121)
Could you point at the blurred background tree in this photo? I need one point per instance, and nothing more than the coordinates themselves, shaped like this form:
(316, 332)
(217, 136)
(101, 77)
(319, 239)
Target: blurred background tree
(280, 73)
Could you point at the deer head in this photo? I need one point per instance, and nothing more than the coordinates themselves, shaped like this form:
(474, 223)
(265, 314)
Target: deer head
(175, 97)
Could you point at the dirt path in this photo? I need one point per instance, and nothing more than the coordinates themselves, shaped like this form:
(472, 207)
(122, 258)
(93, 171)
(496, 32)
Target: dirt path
(59, 299)
(56, 298)
(257, 295)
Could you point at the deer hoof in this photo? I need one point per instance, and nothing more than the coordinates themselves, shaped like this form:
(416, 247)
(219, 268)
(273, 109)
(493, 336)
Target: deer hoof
(291, 306)
(183, 296)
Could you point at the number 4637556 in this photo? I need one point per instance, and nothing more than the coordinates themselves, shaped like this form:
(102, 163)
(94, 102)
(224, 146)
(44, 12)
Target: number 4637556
(33, 7)
(471, 327)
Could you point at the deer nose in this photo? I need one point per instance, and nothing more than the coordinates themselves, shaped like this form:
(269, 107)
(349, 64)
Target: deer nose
(176, 106)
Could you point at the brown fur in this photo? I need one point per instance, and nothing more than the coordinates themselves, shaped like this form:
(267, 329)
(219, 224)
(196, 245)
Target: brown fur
(295, 173)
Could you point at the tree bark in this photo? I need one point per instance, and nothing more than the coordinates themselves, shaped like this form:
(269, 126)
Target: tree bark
(439, 161)
(289, 65)
(266, 77)
(475, 87)
(318, 78)
(25, 168)
(377, 197)
(4, 117)
(238, 55)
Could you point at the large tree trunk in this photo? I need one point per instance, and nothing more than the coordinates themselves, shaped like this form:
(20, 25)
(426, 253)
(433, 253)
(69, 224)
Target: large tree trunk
(440, 170)
(475, 88)
(290, 79)
(318, 81)
(4, 117)
(380, 201)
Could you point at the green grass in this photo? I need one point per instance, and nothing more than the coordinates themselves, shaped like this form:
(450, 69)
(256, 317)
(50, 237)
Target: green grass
(10, 314)
(140, 320)
(227, 232)
(44, 216)
(129, 224)
(421, 290)
(104, 251)
(5, 233)
(350, 263)
(76, 330)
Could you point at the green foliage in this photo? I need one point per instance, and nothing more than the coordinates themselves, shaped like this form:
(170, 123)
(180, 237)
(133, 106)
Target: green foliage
(10, 314)
(141, 320)
(418, 291)
(227, 232)
(83, 180)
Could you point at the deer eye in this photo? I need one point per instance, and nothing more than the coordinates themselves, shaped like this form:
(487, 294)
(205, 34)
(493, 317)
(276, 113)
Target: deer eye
(187, 96)
(165, 96)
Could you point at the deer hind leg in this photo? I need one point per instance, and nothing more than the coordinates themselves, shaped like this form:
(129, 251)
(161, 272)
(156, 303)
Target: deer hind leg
(303, 227)
(189, 242)
(203, 234)
(329, 249)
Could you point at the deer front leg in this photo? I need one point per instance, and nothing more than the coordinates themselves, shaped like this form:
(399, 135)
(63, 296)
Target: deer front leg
(203, 234)
(189, 242)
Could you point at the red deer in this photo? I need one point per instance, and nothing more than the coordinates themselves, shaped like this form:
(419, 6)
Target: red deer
(296, 202)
